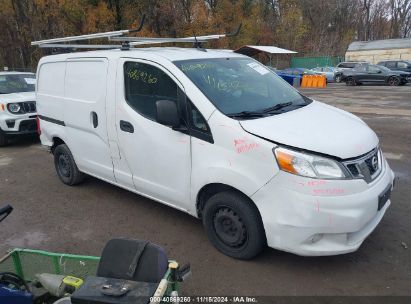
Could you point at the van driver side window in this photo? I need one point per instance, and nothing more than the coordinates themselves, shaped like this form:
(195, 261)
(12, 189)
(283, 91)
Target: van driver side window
(144, 85)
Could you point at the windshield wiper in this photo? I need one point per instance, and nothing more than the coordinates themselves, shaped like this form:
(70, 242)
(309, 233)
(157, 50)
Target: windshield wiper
(263, 113)
(246, 114)
(276, 107)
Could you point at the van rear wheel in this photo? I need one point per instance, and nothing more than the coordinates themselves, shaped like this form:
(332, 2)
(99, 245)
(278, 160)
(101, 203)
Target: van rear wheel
(234, 225)
(66, 167)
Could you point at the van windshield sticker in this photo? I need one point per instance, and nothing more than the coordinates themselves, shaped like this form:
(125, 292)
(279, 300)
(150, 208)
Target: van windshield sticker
(140, 75)
(30, 80)
(2, 78)
(258, 68)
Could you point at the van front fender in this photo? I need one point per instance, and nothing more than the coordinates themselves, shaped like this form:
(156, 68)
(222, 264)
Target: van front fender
(225, 176)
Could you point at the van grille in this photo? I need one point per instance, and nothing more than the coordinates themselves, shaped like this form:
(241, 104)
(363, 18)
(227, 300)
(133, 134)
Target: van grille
(367, 167)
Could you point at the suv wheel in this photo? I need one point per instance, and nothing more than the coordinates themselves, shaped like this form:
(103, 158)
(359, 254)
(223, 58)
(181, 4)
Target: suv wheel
(338, 78)
(350, 81)
(3, 139)
(234, 225)
(394, 81)
(66, 167)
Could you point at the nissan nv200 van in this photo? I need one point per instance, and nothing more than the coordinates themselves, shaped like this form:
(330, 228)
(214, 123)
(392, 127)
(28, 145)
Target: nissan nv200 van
(217, 135)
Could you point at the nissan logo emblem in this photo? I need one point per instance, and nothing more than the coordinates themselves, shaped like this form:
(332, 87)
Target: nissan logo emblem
(374, 162)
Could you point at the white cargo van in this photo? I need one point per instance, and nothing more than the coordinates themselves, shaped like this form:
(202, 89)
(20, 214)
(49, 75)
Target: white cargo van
(219, 136)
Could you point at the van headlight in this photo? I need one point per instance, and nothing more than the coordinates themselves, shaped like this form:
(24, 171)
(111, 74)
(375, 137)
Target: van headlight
(308, 165)
(14, 107)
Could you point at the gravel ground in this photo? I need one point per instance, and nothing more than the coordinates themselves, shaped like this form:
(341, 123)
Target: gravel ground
(49, 215)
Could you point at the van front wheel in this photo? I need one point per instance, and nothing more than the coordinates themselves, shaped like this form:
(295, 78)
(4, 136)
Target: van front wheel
(234, 225)
(66, 167)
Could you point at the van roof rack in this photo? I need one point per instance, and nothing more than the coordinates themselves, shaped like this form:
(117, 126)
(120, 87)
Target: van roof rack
(126, 41)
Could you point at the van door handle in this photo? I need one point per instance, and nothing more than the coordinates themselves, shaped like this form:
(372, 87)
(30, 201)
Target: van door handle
(126, 126)
(94, 119)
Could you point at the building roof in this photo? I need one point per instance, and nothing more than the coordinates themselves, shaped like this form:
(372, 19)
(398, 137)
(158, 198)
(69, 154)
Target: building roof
(403, 43)
(251, 50)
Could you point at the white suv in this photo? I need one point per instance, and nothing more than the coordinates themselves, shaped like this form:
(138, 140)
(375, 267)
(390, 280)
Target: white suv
(221, 137)
(17, 105)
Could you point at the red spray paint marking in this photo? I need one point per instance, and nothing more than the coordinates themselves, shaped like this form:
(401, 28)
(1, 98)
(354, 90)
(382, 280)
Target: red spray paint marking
(328, 191)
(299, 183)
(359, 147)
(318, 205)
(238, 142)
(244, 145)
(314, 183)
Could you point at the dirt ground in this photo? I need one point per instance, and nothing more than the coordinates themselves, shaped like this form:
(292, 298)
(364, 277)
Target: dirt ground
(49, 215)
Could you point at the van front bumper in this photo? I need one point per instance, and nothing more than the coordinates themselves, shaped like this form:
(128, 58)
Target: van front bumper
(312, 217)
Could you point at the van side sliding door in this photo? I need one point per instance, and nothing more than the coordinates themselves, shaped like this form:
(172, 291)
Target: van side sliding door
(85, 115)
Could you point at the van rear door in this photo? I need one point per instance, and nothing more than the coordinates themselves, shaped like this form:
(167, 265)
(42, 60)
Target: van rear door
(85, 116)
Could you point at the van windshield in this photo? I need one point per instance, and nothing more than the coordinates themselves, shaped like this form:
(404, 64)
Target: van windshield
(242, 88)
(16, 83)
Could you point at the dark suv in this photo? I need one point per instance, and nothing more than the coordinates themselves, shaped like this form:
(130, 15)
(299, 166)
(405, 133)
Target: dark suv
(397, 65)
(344, 66)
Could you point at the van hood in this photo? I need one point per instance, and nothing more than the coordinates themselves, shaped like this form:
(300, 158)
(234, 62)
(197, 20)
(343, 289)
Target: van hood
(18, 97)
(319, 128)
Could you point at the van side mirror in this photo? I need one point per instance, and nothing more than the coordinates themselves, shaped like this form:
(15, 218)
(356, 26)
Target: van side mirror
(167, 113)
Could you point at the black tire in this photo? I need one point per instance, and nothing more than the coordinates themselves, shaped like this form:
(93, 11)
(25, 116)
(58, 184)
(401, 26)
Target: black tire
(338, 78)
(394, 81)
(66, 167)
(3, 139)
(350, 81)
(234, 225)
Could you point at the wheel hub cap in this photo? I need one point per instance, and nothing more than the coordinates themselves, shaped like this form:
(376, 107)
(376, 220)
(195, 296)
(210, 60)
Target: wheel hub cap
(229, 227)
(64, 165)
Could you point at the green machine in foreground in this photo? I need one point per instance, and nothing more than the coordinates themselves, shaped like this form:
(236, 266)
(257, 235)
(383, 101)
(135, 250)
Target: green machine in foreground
(128, 271)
